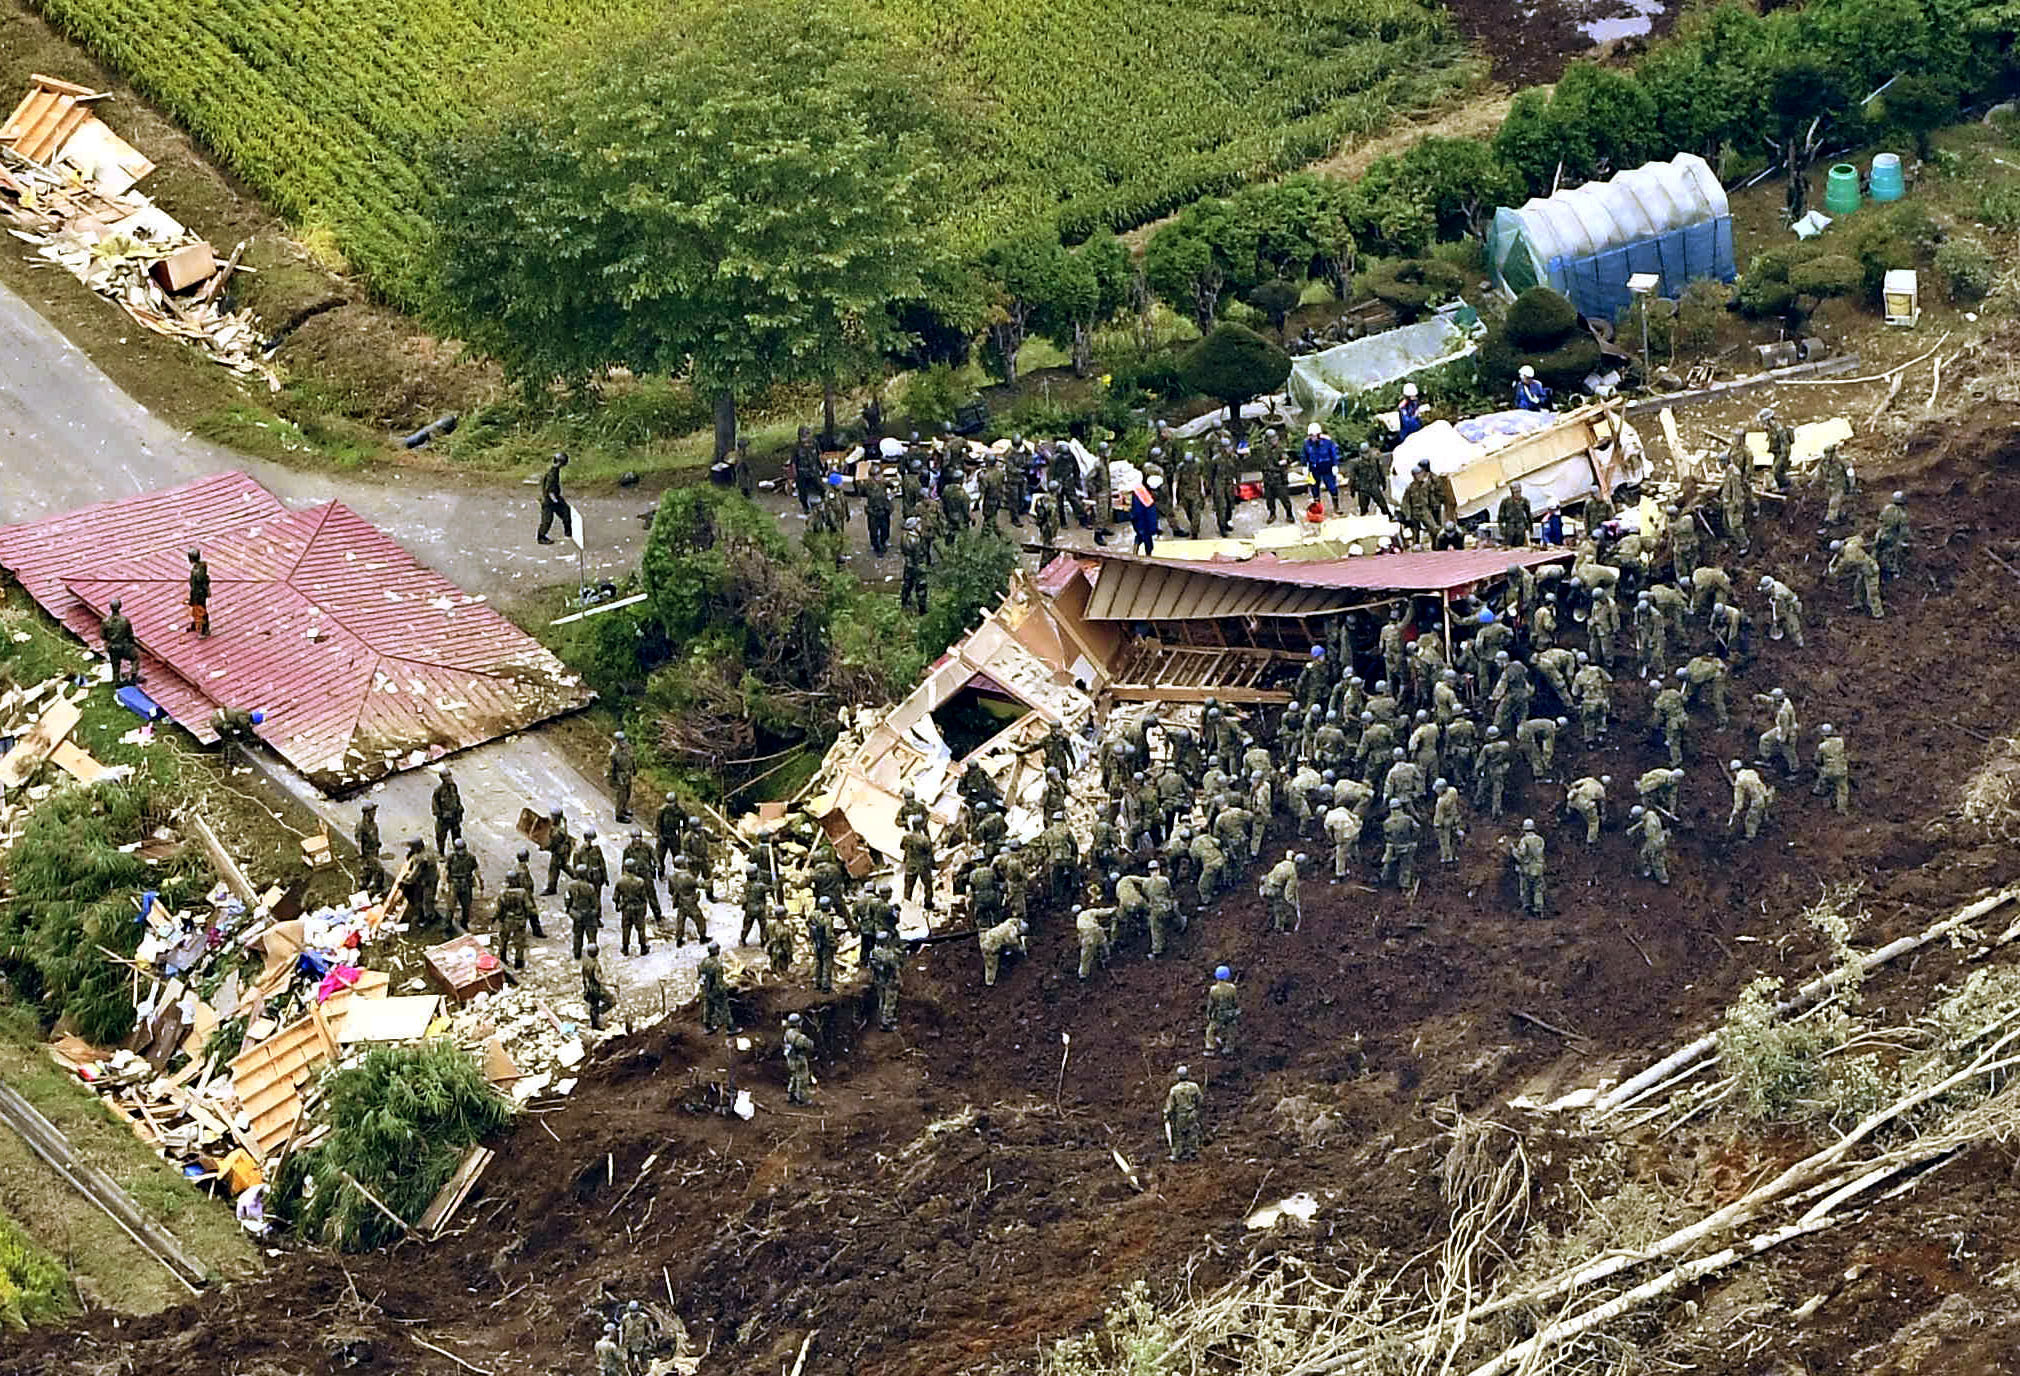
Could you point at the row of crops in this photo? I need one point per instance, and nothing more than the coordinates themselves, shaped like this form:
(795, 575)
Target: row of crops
(1095, 111)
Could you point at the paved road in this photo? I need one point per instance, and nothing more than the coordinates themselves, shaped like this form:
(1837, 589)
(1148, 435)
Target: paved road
(70, 437)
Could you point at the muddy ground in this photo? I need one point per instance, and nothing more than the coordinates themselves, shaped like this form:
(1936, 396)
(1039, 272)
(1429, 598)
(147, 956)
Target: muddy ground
(1531, 41)
(952, 1200)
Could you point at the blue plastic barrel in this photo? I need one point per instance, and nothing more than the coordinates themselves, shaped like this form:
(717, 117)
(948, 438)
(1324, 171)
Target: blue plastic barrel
(1887, 184)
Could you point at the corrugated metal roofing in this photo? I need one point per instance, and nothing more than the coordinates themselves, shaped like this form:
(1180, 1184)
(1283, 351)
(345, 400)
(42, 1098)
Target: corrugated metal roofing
(1156, 590)
(1430, 571)
(364, 660)
(42, 554)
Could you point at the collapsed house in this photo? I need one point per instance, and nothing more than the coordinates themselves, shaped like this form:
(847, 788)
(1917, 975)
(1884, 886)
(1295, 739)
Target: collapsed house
(363, 660)
(1557, 457)
(1098, 633)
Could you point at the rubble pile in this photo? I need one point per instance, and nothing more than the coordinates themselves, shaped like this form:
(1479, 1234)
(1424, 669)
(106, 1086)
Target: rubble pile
(67, 188)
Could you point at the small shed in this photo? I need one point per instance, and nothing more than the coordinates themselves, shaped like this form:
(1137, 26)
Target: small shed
(1669, 218)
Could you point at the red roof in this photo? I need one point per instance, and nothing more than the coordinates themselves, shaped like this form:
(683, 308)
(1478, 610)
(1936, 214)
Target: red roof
(1430, 571)
(363, 660)
(1053, 578)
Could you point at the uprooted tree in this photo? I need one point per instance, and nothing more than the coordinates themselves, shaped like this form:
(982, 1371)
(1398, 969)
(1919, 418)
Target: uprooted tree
(744, 203)
(768, 642)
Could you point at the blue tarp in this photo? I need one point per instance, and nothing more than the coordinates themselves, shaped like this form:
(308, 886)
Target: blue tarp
(1597, 284)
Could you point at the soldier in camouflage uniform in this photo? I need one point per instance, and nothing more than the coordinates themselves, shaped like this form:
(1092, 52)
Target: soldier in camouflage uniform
(515, 907)
(796, 1046)
(372, 877)
(1223, 1012)
(628, 896)
(886, 975)
(1007, 935)
(1528, 858)
(821, 938)
(1833, 771)
(1849, 560)
(1184, 1106)
(1654, 851)
(1090, 925)
(1586, 798)
(1750, 799)
(714, 983)
(685, 891)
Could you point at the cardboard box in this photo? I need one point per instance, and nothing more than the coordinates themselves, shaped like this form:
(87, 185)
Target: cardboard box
(535, 826)
(186, 267)
(239, 1170)
(464, 968)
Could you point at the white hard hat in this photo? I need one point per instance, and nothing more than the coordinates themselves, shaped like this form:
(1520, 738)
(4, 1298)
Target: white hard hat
(1312, 429)
(1528, 371)
(1409, 389)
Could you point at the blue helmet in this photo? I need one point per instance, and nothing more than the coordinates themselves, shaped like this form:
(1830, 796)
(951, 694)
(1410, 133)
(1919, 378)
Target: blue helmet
(1486, 617)
(258, 718)
(1318, 652)
(1222, 972)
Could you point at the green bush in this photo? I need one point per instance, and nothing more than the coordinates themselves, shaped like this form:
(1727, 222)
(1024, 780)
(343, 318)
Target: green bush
(1764, 288)
(968, 577)
(1411, 286)
(1157, 376)
(73, 892)
(1235, 364)
(1968, 270)
(637, 412)
(931, 396)
(1540, 318)
(1827, 275)
(33, 1285)
(400, 1121)
(1541, 329)
(1698, 312)
(1999, 207)
(1276, 299)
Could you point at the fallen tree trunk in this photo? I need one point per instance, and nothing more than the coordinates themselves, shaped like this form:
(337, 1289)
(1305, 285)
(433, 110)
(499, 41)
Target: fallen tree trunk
(1803, 998)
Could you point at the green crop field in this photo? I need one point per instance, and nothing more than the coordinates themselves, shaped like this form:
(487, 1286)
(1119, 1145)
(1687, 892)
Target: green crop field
(1098, 111)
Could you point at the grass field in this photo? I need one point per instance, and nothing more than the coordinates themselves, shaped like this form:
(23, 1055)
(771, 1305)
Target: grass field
(1102, 112)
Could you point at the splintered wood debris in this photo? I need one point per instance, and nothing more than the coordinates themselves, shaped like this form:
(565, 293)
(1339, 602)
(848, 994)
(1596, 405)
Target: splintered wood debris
(67, 188)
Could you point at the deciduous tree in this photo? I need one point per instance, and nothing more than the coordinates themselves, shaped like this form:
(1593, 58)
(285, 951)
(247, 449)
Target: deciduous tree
(741, 199)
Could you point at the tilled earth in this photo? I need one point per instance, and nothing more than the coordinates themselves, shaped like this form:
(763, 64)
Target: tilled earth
(953, 1199)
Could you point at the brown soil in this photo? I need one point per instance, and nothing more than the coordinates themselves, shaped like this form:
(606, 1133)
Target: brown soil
(923, 1249)
(1531, 45)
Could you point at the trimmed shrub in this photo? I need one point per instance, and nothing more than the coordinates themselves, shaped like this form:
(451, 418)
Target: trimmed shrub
(1968, 270)
(1827, 275)
(1411, 286)
(1541, 329)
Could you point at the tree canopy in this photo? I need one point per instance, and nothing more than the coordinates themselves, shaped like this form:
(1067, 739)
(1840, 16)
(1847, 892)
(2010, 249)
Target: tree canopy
(743, 200)
(1233, 364)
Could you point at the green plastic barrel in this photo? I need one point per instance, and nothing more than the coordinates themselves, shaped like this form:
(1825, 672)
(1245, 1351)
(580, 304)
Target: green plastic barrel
(1886, 184)
(1841, 191)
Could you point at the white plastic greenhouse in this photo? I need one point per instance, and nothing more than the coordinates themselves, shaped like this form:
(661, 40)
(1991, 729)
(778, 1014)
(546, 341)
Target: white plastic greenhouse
(1668, 218)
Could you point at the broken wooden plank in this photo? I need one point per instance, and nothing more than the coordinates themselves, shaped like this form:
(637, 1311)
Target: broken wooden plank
(55, 1149)
(50, 730)
(220, 859)
(455, 1190)
(78, 763)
